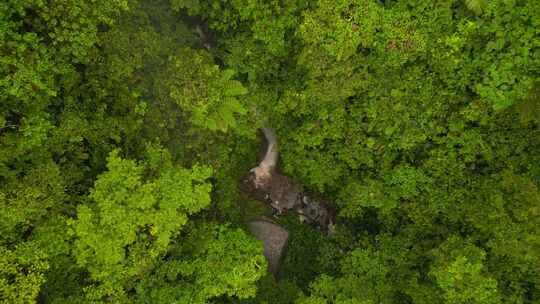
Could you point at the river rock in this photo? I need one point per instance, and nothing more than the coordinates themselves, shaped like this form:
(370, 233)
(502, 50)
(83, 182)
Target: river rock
(274, 238)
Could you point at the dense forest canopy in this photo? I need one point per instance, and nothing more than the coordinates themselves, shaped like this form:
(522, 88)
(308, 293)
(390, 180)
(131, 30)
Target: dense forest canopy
(126, 125)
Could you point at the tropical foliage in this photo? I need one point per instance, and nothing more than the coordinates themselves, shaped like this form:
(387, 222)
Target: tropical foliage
(123, 136)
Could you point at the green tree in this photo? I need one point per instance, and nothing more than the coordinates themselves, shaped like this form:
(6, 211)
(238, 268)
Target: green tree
(22, 272)
(211, 261)
(126, 236)
(458, 269)
(131, 221)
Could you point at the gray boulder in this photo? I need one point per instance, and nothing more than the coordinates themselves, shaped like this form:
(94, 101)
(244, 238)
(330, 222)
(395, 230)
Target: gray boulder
(274, 238)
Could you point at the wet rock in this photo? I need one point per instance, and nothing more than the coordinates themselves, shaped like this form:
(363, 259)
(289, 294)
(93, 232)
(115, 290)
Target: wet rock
(274, 238)
(267, 184)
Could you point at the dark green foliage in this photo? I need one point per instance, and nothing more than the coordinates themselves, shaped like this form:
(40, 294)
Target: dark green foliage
(123, 138)
(309, 253)
(408, 112)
